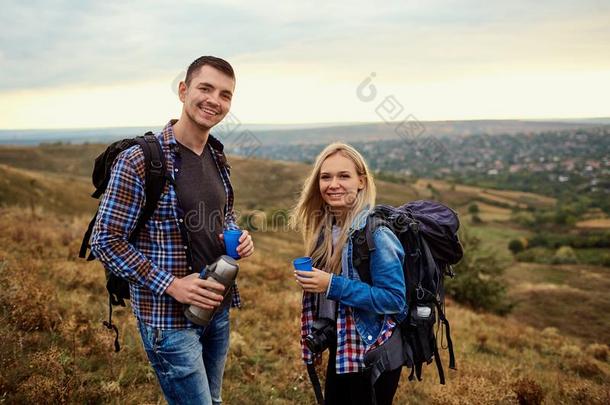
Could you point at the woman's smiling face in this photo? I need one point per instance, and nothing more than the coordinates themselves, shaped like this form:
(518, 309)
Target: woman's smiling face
(339, 181)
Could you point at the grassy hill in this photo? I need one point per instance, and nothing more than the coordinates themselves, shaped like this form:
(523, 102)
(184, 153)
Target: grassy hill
(42, 174)
(551, 349)
(53, 192)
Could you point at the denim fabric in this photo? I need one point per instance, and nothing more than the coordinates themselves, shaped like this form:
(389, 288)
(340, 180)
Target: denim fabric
(372, 305)
(189, 363)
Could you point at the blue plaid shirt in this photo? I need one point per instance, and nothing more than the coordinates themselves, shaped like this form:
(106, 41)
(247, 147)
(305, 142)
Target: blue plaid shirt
(161, 252)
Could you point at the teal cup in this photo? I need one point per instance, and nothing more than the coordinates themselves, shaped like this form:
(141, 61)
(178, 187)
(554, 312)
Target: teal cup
(231, 237)
(303, 263)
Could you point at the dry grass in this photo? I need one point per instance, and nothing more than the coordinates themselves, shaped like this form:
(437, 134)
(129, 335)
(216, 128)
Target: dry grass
(58, 193)
(572, 298)
(528, 392)
(598, 223)
(75, 160)
(490, 213)
(518, 199)
(57, 351)
(40, 176)
(524, 197)
(54, 348)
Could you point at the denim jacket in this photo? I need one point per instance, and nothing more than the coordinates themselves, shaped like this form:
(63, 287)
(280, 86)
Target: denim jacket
(372, 304)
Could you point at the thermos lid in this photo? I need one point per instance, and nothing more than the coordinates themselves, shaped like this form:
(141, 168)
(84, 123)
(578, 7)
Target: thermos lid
(229, 260)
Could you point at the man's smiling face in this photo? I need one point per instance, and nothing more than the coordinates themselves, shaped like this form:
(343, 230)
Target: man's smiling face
(207, 98)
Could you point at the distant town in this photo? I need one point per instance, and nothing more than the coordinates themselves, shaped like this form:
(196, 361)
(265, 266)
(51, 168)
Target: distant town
(572, 165)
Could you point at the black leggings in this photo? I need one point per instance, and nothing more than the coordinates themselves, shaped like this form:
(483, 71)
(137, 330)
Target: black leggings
(355, 388)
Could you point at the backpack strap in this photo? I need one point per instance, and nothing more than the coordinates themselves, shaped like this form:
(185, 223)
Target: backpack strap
(155, 178)
(443, 319)
(364, 245)
(155, 169)
(109, 325)
(387, 357)
(439, 366)
(315, 383)
(85, 243)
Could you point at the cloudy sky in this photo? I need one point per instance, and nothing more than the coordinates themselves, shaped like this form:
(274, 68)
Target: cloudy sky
(76, 63)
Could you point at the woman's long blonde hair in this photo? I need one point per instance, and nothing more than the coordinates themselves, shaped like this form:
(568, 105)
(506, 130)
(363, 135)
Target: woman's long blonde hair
(313, 216)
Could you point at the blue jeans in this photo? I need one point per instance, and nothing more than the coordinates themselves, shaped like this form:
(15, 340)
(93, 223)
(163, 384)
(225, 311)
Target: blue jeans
(189, 363)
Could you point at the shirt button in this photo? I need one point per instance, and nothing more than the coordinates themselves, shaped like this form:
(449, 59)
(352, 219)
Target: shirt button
(176, 170)
(181, 220)
(185, 247)
(190, 268)
(369, 337)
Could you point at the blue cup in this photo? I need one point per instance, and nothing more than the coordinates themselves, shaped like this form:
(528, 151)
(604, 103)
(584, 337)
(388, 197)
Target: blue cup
(231, 237)
(303, 263)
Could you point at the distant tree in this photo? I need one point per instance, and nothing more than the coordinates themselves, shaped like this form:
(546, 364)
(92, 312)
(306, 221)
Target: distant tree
(435, 194)
(473, 209)
(564, 255)
(524, 218)
(565, 216)
(516, 246)
(478, 280)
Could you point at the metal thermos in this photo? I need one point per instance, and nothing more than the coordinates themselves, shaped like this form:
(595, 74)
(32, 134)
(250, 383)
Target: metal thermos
(224, 270)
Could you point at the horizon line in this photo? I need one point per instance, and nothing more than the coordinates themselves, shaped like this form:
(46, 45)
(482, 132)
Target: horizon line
(327, 124)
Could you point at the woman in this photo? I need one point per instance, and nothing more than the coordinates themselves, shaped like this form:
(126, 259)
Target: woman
(334, 203)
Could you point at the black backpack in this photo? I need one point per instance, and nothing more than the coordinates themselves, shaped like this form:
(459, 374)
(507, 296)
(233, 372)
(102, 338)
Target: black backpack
(118, 289)
(427, 231)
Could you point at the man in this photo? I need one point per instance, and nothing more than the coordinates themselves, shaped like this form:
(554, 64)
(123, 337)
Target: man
(181, 237)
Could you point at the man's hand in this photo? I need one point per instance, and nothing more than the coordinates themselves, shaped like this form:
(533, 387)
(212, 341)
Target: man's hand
(315, 281)
(194, 291)
(246, 244)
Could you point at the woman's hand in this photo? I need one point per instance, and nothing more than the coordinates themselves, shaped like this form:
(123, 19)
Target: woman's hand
(315, 281)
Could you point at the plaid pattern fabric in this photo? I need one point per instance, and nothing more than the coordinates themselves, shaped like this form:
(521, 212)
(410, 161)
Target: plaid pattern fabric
(307, 318)
(351, 348)
(161, 251)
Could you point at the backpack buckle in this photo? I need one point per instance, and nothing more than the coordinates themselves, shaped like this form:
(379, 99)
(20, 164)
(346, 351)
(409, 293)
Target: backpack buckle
(156, 164)
(449, 271)
(420, 292)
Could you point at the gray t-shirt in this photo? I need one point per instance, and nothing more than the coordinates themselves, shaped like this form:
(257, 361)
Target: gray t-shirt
(202, 197)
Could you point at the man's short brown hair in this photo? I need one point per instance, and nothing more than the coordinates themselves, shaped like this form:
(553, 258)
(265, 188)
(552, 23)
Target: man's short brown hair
(216, 63)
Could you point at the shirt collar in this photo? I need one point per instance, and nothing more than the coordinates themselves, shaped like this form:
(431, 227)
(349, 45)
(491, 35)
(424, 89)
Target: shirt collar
(359, 220)
(170, 139)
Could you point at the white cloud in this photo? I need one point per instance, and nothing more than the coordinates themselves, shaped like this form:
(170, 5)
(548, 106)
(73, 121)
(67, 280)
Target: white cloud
(300, 61)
